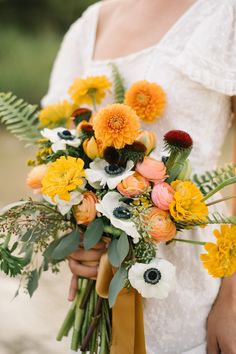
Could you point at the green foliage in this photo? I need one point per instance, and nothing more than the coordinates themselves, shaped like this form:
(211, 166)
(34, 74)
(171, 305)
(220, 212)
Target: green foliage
(67, 244)
(118, 250)
(117, 284)
(213, 219)
(33, 282)
(212, 179)
(119, 89)
(19, 117)
(93, 233)
(10, 264)
(144, 251)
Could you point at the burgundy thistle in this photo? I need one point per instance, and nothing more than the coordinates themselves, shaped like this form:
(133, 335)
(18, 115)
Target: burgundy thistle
(178, 140)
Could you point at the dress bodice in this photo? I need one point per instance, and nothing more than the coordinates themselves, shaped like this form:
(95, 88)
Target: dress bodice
(195, 63)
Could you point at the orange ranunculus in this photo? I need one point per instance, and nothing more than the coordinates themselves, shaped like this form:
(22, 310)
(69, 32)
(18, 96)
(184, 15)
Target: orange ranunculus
(152, 169)
(86, 212)
(35, 176)
(147, 138)
(133, 185)
(92, 148)
(159, 225)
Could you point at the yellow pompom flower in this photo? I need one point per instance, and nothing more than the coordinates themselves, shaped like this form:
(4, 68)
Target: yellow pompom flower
(92, 148)
(187, 204)
(147, 99)
(89, 90)
(63, 176)
(116, 125)
(220, 261)
(57, 115)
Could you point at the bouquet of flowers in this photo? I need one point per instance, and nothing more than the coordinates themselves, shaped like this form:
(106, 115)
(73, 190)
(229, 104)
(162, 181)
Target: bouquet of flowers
(98, 179)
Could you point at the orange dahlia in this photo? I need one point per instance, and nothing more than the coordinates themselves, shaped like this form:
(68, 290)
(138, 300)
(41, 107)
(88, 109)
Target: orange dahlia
(116, 125)
(147, 99)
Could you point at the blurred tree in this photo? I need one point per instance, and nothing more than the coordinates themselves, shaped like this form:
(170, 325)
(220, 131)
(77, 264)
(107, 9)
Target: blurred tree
(35, 14)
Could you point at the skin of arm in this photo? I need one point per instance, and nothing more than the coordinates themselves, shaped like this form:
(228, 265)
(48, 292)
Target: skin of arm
(221, 324)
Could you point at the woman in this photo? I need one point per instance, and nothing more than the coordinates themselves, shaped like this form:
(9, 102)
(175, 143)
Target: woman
(189, 48)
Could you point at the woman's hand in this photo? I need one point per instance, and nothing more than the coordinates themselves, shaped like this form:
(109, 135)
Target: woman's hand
(221, 326)
(78, 266)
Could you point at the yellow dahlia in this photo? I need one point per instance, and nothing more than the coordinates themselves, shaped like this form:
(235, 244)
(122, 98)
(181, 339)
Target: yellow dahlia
(116, 125)
(220, 261)
(187, 204)
(63, 176)
(147, 99)
(89, 90)
(57, 115)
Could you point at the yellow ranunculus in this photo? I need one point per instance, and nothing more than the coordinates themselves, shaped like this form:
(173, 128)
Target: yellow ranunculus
(89, 90)
(57, 115)
(147, 138)
(187, 204)
(63, 176)
(92, 148)
(220, 261)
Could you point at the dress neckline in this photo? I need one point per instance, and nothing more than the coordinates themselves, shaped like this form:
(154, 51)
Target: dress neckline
(146, 50)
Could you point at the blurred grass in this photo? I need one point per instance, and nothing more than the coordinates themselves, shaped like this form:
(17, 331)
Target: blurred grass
(26, 60)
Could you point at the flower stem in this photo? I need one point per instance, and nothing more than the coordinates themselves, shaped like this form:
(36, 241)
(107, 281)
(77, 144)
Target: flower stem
(221, 200)
(68, 322)
(190, 241)
(222, 185)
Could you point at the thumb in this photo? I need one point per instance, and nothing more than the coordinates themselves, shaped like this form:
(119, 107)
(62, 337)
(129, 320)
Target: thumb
(212, 345)
(73, 288)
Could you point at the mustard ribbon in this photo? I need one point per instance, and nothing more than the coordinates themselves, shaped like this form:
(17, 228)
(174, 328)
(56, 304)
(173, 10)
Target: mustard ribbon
(127, 314)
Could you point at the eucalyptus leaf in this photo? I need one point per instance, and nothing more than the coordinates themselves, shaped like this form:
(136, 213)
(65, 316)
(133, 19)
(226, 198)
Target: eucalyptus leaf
(116, 285)
(33, 281)
(123, 246)
(113, 254)
(68, 244)
(93, 233)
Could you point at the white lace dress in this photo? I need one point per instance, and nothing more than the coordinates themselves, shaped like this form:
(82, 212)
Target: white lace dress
(195, 63)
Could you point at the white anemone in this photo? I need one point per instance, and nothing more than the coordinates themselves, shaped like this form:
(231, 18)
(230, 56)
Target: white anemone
(63, 205)
(97, 173)
(108, 205)
(58, 141)
(155, 279)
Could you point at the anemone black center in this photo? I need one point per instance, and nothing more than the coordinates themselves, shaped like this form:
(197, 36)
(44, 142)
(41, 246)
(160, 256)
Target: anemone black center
(114, 170)
(66, 135)
(152, 276)
(122, 213)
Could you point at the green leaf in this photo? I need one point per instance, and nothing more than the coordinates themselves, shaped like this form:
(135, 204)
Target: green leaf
(48, 252)
(113, 254)
(119, 89)
(116, 285)
(118, 250)
(33, 282)
(93, 233)
(68, 244)
(19, 117)
(123, 246)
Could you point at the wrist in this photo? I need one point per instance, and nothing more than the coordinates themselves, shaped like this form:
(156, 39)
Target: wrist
(228, 289)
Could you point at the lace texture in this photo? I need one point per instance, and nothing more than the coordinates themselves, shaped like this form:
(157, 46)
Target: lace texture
(195, 63)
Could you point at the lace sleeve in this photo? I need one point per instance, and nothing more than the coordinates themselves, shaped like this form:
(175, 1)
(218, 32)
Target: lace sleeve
(209, 56)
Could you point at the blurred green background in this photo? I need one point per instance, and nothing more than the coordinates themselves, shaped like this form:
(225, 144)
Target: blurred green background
(30, 35)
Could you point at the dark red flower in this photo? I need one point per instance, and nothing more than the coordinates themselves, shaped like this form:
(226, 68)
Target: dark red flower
(179, 139)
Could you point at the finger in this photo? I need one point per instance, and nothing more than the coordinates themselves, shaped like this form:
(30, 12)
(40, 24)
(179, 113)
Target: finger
(212, 345)
(82, 270)
(83, 255)
(73, 288)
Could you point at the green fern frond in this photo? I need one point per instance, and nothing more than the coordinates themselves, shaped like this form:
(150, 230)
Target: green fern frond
(119, 89)
(212, 219)
(212, 179)
(19, 117)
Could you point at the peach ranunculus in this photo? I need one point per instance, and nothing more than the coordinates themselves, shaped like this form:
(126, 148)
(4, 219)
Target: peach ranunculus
(133, 185)
(35, 176)
(147, 138)
(86, 212)
(159, 225)
(152, 169)
(162, 195)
